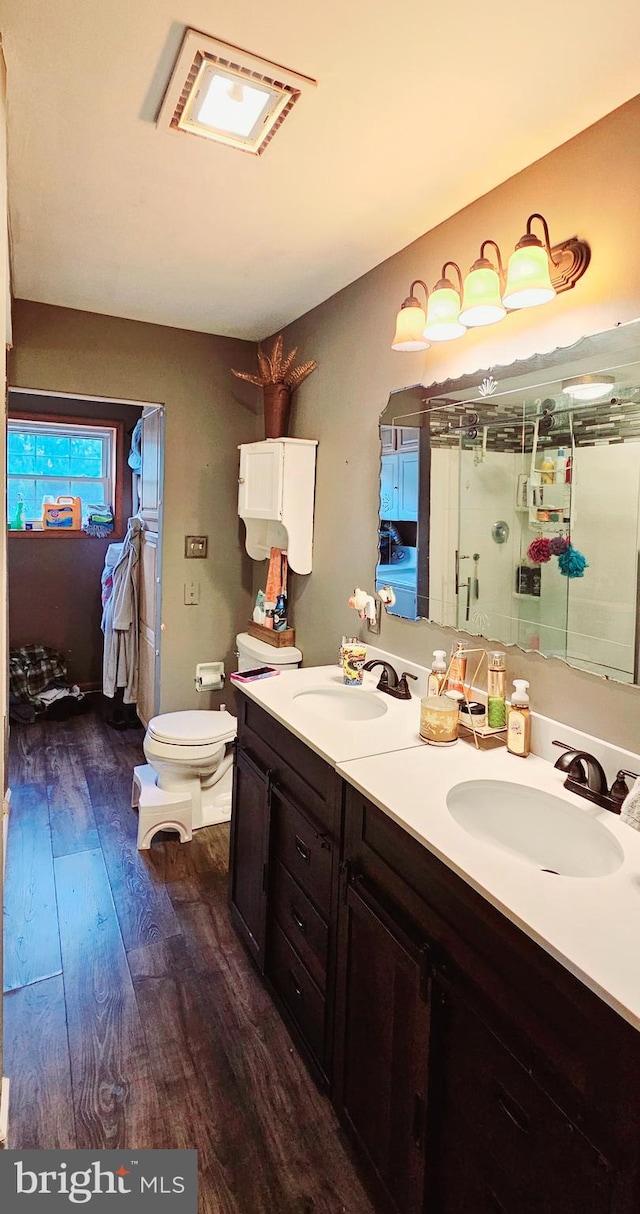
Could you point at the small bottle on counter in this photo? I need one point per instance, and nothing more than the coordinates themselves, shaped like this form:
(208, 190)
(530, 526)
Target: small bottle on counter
(496, 690)
(458, 668)
(437, 676)
(473, 714)
(519, 721)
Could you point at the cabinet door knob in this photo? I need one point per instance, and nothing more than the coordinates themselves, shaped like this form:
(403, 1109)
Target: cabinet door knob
(241, 480)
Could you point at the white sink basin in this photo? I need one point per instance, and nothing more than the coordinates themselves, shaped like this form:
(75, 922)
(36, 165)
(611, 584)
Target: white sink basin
(342, 703)
(549, 833)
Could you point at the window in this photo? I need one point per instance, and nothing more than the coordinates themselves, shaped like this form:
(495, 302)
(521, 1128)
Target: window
(67, 457)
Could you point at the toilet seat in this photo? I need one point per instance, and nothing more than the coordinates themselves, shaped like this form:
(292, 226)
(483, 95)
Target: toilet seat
(192, 728)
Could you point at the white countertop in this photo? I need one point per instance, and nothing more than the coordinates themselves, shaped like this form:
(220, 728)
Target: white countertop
(591, 925)
(337, 740)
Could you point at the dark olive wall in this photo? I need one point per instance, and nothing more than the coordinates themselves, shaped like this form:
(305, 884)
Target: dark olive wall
(54, 580)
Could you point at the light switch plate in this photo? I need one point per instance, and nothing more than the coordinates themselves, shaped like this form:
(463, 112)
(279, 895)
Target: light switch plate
(195, 545)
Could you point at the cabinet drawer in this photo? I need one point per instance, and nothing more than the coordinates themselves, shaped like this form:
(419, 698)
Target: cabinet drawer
(298, 990)
(301, 923)
(305, 850)
(538, 1148)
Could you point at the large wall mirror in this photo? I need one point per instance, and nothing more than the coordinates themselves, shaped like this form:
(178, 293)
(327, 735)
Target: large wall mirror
(509, 503)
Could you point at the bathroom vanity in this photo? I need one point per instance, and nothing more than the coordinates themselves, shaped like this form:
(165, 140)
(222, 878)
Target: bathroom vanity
(476, 1052)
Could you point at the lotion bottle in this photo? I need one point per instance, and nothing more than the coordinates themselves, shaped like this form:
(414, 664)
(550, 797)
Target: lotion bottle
(519, 721)
(438, 672)
(458, 668)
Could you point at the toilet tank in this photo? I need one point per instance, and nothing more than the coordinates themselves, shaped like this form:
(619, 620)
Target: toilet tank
(252, 652)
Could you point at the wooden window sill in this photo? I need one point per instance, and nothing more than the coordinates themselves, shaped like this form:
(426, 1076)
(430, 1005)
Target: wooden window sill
(61, 533)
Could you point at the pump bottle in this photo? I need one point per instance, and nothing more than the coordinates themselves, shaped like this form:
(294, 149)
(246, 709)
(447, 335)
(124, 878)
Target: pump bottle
(519, 721)
(438, 672)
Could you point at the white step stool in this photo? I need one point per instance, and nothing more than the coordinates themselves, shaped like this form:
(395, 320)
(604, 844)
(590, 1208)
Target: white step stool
(157, 809)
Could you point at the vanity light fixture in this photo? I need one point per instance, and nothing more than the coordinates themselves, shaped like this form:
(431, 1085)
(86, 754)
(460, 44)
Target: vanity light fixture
(411, 320)
(443, 309)
(588, 387)
(482, 301)
(528, 273)
(537, 271)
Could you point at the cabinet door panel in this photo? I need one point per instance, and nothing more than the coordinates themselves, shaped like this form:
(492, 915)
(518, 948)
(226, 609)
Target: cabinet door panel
(542, 1154)
(383, 1031)
(260, 481)
(389, 487)
(249, 853)
(408, 486)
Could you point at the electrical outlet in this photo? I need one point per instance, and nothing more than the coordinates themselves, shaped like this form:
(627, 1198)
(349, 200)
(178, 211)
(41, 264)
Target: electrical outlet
(191, 594)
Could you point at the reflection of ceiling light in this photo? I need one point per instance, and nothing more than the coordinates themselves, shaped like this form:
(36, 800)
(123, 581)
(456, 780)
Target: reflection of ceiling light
(228, 95)
(588, 387)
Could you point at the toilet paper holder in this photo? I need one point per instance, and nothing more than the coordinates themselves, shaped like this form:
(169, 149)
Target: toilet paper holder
(209, 676)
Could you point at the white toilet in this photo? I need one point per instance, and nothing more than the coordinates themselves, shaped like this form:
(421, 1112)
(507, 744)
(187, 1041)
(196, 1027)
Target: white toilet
(186, 782)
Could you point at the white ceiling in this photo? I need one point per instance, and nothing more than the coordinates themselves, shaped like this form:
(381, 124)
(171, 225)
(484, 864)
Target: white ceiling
(419, 109)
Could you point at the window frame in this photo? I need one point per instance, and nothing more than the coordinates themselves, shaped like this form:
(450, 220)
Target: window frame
(117, 466)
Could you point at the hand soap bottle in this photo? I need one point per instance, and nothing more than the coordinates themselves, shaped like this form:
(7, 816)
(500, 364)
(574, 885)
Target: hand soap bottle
(438, 672)
(519, 721)
(458, 668)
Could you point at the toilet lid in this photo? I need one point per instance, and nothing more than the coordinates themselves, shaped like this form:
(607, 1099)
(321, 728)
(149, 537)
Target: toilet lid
(267, 655)
(193, 728)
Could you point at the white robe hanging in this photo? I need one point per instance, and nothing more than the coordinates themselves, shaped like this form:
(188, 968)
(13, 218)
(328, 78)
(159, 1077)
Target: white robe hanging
(120, 620)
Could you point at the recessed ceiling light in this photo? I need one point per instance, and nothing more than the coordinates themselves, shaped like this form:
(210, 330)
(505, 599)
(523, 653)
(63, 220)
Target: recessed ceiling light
(588, 387)
(223, 93)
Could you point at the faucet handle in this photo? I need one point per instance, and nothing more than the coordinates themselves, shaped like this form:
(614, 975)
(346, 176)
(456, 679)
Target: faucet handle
(403, 686)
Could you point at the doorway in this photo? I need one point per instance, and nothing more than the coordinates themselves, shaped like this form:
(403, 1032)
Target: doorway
(78, 469)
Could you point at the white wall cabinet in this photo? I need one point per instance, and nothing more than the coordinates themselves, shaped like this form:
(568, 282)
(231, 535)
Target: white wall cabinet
(276, 488)
(399, 487)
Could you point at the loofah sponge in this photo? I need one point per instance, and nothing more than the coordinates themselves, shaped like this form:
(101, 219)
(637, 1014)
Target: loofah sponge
(572, 563)
(539, 551)
(558, 545)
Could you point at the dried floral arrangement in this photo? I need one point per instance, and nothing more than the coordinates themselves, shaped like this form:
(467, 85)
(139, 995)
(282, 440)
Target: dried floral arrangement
(278, 368)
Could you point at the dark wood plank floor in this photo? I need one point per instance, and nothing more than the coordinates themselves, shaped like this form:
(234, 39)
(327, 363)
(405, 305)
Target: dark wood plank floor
(133, 1017)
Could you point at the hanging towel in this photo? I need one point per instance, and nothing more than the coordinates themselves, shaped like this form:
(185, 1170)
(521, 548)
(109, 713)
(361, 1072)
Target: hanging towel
(630, 812)
(277, 575)
(135, 455)
(120, 620)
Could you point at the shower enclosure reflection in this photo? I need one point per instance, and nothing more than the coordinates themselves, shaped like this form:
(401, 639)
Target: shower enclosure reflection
(525, 512)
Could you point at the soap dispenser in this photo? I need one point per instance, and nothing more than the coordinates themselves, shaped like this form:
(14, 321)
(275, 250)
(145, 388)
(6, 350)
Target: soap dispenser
(519, 721)
(438, 672)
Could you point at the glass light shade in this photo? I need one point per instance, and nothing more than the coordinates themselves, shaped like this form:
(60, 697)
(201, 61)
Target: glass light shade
(442, 315)
(410, 324)
(528, 278)
(481, 302)
(588, 387)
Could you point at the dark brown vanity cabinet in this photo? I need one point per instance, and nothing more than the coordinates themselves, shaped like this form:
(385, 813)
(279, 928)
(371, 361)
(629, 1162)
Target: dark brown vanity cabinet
(285, 852)
(382, 1041)
(250, 853)
(472, 1072)
(533, 1097)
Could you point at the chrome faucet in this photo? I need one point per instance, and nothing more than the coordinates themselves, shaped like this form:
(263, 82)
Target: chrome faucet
(389, 681)
(586, 777)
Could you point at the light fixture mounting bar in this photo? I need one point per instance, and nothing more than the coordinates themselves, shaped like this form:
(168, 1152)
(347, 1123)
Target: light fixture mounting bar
(569, 260)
